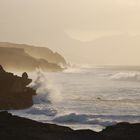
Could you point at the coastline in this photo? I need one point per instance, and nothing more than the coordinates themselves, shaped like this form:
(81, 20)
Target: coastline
(14, 127)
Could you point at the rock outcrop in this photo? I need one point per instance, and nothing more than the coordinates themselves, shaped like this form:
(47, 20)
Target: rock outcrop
(13, 91)
(14, 127)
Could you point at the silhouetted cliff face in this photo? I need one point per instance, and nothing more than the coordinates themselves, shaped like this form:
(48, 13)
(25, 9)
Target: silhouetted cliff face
(14, 127)
(13, 91)
(16, 59)
(45, 53)
(38, 52)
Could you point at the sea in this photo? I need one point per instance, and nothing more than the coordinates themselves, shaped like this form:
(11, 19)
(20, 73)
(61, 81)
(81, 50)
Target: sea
(85, 97)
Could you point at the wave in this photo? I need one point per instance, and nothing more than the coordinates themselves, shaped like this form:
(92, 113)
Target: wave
(78, 69)
(103, 120)
(128, 76)
(46, 92)
(42, 110)
(82, 119)
(73, 70)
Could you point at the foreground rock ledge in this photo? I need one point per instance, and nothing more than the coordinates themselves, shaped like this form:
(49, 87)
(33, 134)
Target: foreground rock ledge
(14, 128)
(13, 91)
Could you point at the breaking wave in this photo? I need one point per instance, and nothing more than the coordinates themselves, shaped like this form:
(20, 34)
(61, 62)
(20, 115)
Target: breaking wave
(103, 120)
(79, 68)
(114, 101)
(42, 110)
(82, 119)
(130, 76)
(46, 92)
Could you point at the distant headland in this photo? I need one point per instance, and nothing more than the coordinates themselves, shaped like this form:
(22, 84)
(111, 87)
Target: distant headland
(21, 57)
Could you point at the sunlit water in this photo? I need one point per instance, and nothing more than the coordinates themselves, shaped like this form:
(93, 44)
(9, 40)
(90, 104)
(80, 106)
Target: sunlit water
(89, 98)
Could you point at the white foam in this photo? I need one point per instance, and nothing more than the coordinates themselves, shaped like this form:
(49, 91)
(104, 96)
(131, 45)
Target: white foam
(46, 91)
(127, 76)
(73, 70)
(79, 68)
(42, 110)
(89, 97)
(83, 119)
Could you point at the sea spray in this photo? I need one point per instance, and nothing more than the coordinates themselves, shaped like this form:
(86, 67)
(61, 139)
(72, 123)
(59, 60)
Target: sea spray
(46, 91)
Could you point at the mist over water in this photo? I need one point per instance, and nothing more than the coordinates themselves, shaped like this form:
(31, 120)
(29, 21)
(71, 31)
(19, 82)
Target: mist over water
(85, 97)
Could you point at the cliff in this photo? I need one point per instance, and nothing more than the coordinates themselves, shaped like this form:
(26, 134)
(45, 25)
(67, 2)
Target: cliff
(16, 59)
(14, 127)
(38, 52)
(13, 91)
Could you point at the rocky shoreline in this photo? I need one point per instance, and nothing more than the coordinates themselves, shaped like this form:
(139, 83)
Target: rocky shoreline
(14, 127)
(14, 94)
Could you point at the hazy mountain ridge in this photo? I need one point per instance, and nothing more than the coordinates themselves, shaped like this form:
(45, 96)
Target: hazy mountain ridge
(122, 49)
(16, 59)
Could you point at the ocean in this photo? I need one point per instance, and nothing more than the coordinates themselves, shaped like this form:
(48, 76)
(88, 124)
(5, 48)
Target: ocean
(86, 97)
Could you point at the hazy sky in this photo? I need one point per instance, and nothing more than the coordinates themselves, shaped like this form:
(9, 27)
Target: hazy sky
(52, 22)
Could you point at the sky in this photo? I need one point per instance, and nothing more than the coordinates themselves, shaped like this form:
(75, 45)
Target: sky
(70, 26)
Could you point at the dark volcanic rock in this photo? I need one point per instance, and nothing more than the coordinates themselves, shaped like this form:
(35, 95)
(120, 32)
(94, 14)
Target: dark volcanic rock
(1, 69)
(122, 131)
(14, 127)
(13, 91)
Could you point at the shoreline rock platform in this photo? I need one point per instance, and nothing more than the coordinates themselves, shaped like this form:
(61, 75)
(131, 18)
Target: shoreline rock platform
(14, 127)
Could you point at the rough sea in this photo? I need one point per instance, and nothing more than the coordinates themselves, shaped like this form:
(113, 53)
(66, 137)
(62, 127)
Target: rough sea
(86, 97)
